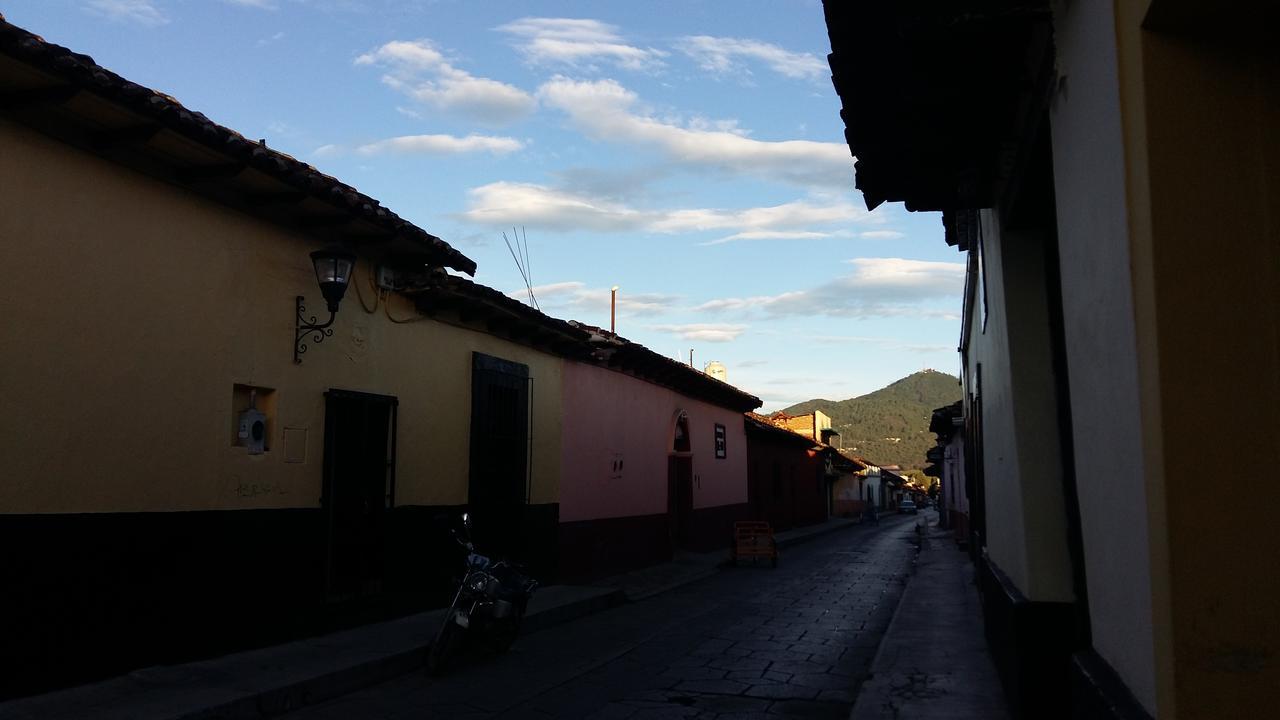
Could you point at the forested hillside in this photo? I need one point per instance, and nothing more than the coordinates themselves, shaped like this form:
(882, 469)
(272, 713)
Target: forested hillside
(891, 425)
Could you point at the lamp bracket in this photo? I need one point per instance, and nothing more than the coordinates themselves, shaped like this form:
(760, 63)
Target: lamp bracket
(303, 327)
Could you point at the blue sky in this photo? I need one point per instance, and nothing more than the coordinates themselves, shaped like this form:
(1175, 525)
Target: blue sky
(689, 152)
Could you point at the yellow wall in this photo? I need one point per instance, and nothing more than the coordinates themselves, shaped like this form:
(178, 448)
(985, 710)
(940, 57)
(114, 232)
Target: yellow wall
(131, 308)
(1203, 163)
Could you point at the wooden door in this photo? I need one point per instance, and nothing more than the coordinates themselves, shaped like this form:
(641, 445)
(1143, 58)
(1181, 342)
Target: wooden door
(359, 488)
(680, 501)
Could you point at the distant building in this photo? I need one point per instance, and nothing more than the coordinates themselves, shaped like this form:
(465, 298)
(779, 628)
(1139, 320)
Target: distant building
(811, 425)
(717, 370)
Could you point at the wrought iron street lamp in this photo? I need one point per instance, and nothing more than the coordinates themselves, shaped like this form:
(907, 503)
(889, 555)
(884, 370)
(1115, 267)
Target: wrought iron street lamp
(333, 272)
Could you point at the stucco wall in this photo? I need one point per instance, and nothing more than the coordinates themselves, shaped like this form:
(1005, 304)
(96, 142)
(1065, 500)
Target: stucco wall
(1098, 312)
(132, 307)
(1200, 99)
(609, 416)
(1025, 524)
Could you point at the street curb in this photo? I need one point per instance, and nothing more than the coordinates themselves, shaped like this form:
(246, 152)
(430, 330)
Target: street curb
(225, 683)
(875, 660)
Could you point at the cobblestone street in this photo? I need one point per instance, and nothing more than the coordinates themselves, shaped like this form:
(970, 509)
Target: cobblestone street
(748, 642)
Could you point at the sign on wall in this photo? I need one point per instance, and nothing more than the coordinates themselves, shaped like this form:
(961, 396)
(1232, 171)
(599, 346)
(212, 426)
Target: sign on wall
(720, 447)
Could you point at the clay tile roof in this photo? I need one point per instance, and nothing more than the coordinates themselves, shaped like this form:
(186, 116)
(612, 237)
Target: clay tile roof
(503, 315)
(76, 73)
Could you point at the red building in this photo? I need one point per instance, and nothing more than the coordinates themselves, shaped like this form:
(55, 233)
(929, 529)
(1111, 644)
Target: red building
(786, 475)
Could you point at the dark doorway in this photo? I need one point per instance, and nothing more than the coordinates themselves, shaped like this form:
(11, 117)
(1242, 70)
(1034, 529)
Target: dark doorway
(680, 500)
(359, 488)
(499, 482)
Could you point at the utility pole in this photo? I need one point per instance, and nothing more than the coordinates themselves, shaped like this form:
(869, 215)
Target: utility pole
(690, 357)
(613, 309)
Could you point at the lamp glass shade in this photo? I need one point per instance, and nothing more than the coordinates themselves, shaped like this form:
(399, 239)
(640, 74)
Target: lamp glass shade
(333, 273)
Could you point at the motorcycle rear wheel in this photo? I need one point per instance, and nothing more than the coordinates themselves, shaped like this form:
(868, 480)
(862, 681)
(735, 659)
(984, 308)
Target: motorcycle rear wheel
(505, 636)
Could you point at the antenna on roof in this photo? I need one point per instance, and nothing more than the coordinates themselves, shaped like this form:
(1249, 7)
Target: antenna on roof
(521, 266)
(528, 267)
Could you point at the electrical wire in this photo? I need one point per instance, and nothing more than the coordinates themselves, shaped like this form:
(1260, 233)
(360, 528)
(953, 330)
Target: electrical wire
(386, 308)
(377, 294)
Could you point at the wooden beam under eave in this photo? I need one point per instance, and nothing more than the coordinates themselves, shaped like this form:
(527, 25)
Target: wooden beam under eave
(312, 222)
(130, 135)
(266, 199)
(53, 95)
(205, 173)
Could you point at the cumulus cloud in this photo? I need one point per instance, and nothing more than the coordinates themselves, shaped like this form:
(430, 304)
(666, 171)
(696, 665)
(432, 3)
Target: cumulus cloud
(502, 204)
(141, 12)
(890, 344)
(704, 332)
(578, 42)
(605, 110)
(421, 71)
(878, 287)
(441, 145)
(575, 298)
(771, 235)
(881, 234)
(720, 55)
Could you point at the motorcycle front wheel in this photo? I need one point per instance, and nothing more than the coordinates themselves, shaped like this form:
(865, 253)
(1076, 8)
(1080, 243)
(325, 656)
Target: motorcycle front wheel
(448, 638)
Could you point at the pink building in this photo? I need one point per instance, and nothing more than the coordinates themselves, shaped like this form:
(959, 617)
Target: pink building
(654, 460)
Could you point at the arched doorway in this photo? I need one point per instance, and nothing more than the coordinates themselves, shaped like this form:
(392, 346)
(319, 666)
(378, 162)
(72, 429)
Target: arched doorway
(680, 483)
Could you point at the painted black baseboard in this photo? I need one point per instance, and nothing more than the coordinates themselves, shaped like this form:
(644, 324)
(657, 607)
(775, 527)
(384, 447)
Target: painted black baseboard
(608, 546)
(89, 596)
(1031, 644)
(1098, 693)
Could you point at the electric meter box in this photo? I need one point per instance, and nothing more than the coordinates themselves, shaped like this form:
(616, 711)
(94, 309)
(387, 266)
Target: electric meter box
(253, 431)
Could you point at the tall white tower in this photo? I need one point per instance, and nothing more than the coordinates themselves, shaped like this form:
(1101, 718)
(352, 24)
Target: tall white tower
(716, 369)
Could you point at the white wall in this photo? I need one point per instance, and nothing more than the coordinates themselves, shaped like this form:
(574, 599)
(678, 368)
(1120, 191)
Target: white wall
(1025, 521)
(1100, 338)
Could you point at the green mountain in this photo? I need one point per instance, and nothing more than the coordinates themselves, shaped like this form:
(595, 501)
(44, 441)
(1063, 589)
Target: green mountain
(891, 425)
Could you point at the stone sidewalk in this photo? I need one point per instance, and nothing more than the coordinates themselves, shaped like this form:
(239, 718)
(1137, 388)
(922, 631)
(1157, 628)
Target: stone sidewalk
(933, 663)
(274, 680)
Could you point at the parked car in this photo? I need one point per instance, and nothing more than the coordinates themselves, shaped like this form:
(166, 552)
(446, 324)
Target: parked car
(907, 506)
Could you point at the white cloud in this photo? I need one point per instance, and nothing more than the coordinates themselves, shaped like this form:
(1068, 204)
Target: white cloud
(575, 298)
(578, 42)
(420, 71)
(442, 145)
(502, 204)
(771, 235)
(881, 234)
(264, 4)
(719, 55)
(704, 332)
(878, 287)
(604, 110)
(890, 344)
(787, 215)
(142, 12)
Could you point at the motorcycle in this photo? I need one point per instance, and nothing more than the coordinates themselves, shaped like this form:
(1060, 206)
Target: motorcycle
(488, 606)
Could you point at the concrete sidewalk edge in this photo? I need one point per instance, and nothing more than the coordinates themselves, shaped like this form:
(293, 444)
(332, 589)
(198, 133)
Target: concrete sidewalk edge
(274, 680)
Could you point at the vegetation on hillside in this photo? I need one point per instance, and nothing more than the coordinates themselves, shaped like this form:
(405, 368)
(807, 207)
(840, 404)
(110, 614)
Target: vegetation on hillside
(891, 425)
